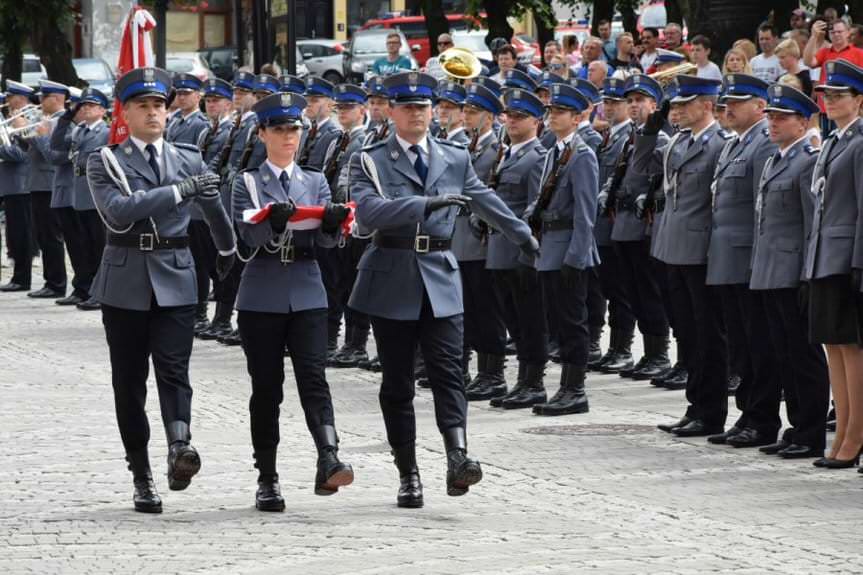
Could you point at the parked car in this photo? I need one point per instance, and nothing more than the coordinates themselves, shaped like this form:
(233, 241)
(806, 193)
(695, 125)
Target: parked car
(188, 63)
(414, 29)
(323, 58)
(222, 61)
(365, 47)
(97, 73)
(473, 40)
(33, 71)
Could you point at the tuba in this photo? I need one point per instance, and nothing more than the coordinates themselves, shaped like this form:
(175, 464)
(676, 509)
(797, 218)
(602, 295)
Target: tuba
(667, 76)
(460, 64)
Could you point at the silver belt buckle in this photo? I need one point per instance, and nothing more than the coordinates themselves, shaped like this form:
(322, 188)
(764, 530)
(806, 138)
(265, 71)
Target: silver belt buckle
(286, 254)
(422, 244)
(146, 242)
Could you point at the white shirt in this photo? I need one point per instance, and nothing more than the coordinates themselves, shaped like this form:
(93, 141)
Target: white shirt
(561, 144)
(766, 68)
(710, 71)
(412, 157)
(707, 127)
(841, 131)
(647, 59)
(277, 171)
(513, 149)
(784, 151)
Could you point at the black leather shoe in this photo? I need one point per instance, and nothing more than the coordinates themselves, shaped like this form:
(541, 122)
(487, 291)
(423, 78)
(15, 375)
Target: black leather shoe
(46, 293)
(594, 352)
(410, 493)
(833, 463)
(351, 358)
(796, 451)
(655, 361)
(461, 471)
(629, 371)
(145, 498)
(621, 360)
(519, 384)
(821, 461)
(201, 325)
(774, 448)
(232, 339)
(678, 381)
(570, 397)
(750, 437)
(90, 305)
(183, 460)
(669, 427)
(269, 494)
(331, 473)
(531, 392)
(71, 299)
(489, 382)
(721, 438)
(659, 380)
(696, 428)
(13, 287)
(373, 364)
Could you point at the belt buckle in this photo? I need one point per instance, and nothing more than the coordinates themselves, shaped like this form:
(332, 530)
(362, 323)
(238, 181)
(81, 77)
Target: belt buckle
(286, 254)
(146, 242)
(422, 244)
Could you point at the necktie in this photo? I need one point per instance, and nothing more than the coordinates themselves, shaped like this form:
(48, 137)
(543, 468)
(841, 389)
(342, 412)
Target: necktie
(419, 164)
(286, 182)
(507, 154)
(153, 161)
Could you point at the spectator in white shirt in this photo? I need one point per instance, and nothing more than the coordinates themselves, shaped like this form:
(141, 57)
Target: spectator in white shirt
(649, 40)
(766, 65)
(701, 58)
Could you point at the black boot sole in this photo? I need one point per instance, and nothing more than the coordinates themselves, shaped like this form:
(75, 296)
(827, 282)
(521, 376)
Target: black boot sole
(340, 478)
(148, 508)
(186, 466)
(544, 411)
(270, 505)
(410, 503)
(469, 474)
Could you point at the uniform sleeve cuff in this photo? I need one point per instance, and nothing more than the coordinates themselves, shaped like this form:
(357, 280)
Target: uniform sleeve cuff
(229, 252)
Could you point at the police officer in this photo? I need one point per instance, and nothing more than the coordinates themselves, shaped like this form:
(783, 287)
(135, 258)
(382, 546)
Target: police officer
(784, 207)
(322, 130)
(190, 121)
(563, 215)
(282, 301)
(516, 179)
(146, 283)
(379, 110)
(450, 112)
(407, 190)
(681, 243)
(88, 136)
(543, 91)
(729, 258)
(342, 261)
(833, 262)
(585, 127)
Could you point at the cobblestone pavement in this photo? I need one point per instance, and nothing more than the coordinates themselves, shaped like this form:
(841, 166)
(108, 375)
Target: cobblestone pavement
(601, 493)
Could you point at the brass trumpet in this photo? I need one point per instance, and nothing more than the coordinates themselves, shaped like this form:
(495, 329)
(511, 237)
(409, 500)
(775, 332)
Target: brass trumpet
(32, 114)
(460, 64)
(667, 76)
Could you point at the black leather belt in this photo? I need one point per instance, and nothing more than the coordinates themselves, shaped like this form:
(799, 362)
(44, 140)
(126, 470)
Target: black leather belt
(626, 205)
(556, 225)
(420, 244)
(289, 254)
(147, 242)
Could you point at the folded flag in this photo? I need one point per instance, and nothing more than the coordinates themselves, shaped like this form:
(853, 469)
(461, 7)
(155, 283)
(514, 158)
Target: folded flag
(304, 218)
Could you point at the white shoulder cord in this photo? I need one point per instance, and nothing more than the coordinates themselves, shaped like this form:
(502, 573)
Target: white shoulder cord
(371, 172)
(115, 172)
(283, 239)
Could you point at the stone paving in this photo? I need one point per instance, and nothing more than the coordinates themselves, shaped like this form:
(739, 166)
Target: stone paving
(603, 492)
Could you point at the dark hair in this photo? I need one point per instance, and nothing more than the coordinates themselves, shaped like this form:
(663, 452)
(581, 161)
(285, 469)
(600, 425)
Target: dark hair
(766, 27)
(652, 30)
(602, 22)
(702, 41)
(509, 49)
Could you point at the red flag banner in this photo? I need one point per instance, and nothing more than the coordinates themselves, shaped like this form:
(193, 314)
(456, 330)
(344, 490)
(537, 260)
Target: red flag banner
(305, 218)
(136, 51)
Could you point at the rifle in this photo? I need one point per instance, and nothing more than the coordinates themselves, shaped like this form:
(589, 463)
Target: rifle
(617, 176)
(208, 139)
(545, 196)
(332, 165)
(382, 133)
(494, 176)
(307, 145)
(247, 150)
(225, 152)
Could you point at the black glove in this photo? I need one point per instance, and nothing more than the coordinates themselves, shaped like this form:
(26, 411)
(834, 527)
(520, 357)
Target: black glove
(334, 215)
(569, 276)
(656, 120)
(530, 248)
(280, 214)
(434, 203)
(477, 227)
(527, 278)
(207, 184)
(224, 265)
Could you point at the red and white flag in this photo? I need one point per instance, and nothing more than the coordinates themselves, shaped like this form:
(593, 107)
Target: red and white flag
(136, 51)
(304, 218)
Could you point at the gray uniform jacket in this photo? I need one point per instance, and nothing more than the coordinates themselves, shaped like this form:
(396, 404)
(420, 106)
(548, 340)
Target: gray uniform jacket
(324, 135)
(14, 165)
(63, 181)
(643, 177)
(187, 130)
(783, 218)
(837, 189)
(129, 278)
(85, 140)
(574, 200)
(734, 187)
(268, 285)
(339, 185)
(465, 245)
(608, 155)
(547, 138)
(589, 136)
(684, 235)
(41, 171)
(518, 186)
(391, 282)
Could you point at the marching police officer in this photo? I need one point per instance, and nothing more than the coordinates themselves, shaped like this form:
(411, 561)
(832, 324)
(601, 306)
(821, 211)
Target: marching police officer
(408, 189)
(681, 242)
(586, 132)
(784, 207)
(729, 258)
(319, 95)
(379, 110)
(450, 112)
(142, 189)
(88, 136)
(282, 301)
(190, 121)
(563, 216)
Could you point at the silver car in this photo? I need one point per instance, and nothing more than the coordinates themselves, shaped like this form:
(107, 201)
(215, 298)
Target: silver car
(323, 58)
(365, 47)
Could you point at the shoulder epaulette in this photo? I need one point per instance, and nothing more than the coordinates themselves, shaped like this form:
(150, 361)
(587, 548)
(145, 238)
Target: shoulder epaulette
(451, 143)
(311, 169)
(810, 149)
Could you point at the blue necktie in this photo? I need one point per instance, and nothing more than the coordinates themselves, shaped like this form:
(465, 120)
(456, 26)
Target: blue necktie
(507, 154)
(153, 161)
(420, 166)
(286, 182)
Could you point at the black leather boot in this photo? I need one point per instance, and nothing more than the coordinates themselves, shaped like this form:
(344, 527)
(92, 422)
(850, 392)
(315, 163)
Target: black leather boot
(221, 324)
(410, 487)
(493, 382)
(655, 360)
(346, 350)
(183, 460)
(356, 352)
(677, 380)
(331, 473)
(531, 393)
(519, 384)
(461, 471)
(269, 494)
(594, 352)
(201, 321)
(570, 398)
(231, 339)
(145, 498)
(332, 346)
(622, 358)
(479, 380)
(610, 354)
